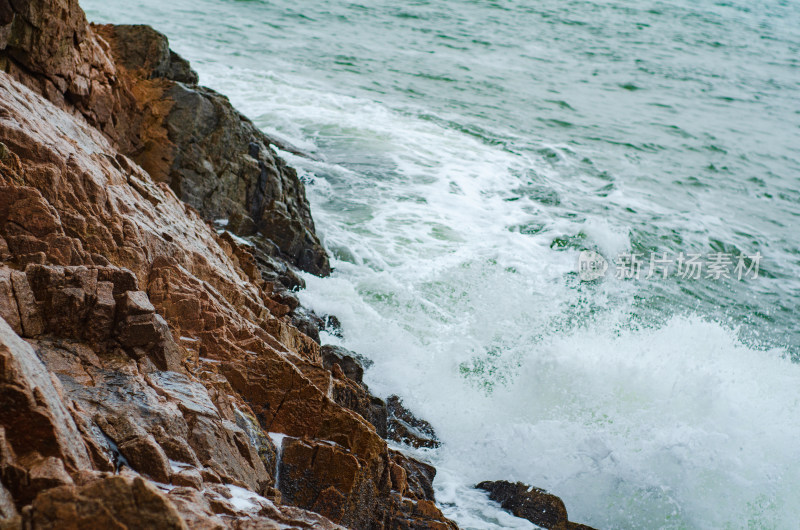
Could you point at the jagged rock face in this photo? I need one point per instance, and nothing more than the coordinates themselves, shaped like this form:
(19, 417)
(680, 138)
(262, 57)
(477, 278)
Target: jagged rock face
(348, 389)
(48, 46)
(153, 348)
(38, 435)
(128, 502)
(351, 363)
(113, 502)
(143, 97)
(213, 157)
(142, 47)
(253, 188)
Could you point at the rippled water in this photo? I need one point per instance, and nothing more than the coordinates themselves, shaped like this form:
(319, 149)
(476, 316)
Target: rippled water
(469, 151)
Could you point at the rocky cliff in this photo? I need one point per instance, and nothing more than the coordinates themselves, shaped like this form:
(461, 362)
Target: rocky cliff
(155, 369)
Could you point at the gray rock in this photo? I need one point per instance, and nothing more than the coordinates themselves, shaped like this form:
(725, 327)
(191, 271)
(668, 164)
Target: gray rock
(406, 428)
(351, 363)
(214, 158)
(223, 166)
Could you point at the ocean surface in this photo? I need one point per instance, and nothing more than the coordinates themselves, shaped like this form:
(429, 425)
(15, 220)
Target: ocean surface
(468, 152)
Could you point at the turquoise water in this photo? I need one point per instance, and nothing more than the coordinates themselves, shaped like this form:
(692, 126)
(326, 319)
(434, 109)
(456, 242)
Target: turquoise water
(469, 151)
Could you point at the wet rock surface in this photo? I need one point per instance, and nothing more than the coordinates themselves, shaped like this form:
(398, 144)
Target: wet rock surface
(128, 84)
(534, 504)
(351, 363)
(404, 427)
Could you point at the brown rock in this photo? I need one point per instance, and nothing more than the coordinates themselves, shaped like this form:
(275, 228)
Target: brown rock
(136, 303)
(399, 479)
(31, 409)
(48, 473)
(285, 401)
(99, 228)
(27, 477)
(351, 363)
(122, 279)
(208, 475)
(111, 503)
(190, 396)
(224, 448)
(145, 49)
(322, 478)
(188, 477)
(8, 302)
(177, 449)
(145, 456)
(212, 508)
(64, 299)
(349, 394)
(59, 57)
(418, 476)
(5, 255)
(29, 212)
(149, 333)
(534, 504)
(32, 324)
(100, 322)
(142, 330)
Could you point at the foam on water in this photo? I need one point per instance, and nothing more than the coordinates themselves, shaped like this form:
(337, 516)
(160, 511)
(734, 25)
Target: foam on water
(678, 426)
(527, 374)
(530, 377)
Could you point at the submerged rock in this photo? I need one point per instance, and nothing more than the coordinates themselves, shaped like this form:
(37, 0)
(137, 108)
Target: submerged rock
(406, 428)
(534, 504)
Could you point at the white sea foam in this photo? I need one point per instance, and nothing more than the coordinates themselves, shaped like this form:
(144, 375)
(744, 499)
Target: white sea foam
(472, 322)
(628, 426)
